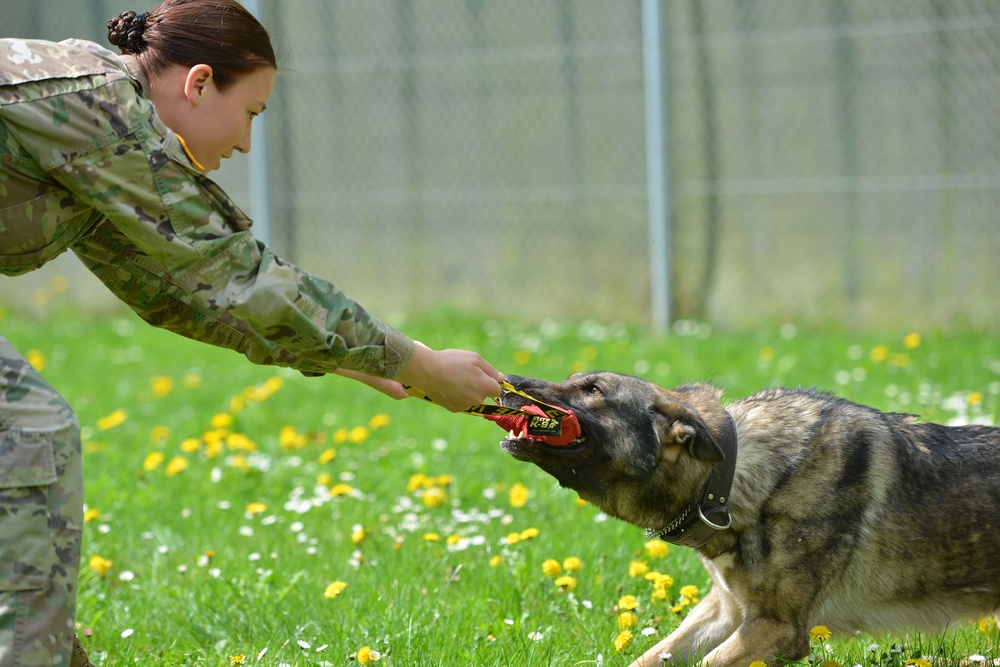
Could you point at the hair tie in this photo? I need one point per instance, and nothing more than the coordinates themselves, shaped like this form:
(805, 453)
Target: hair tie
(127, 32)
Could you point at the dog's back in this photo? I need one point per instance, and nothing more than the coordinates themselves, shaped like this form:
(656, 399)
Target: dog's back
(896, 522)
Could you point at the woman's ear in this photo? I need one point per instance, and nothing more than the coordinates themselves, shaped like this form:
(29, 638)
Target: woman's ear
(197, 83)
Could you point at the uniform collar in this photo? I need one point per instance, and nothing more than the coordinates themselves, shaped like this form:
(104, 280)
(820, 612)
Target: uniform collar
(137, 73)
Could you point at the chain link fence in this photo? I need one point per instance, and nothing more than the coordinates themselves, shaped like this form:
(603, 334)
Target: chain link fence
(831, 161)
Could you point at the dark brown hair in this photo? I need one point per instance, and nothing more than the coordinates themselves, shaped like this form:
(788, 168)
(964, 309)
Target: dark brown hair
(218, 33)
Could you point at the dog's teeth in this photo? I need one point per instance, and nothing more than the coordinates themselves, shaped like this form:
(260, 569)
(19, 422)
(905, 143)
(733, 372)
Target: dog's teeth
(511, 434)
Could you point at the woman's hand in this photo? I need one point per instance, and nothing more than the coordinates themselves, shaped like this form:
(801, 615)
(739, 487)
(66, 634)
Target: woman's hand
(454, 379)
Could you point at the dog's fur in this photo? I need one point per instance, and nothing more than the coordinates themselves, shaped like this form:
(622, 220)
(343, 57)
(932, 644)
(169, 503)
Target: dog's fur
(842, 515)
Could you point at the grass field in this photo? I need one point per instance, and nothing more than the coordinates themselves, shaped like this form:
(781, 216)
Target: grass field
(247, 515)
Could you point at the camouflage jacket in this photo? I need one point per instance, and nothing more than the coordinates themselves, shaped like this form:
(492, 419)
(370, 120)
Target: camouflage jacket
(86, 164)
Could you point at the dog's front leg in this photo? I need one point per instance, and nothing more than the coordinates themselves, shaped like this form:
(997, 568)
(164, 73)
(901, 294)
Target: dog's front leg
(759, 639)
(708, 625)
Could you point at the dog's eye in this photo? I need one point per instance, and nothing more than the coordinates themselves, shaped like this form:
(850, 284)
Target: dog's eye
(594, 390)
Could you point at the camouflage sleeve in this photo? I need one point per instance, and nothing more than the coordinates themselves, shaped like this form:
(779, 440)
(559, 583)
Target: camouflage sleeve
(148, 291)
(125, 164)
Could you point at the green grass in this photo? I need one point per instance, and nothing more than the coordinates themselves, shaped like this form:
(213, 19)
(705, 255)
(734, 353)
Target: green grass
(417, 602)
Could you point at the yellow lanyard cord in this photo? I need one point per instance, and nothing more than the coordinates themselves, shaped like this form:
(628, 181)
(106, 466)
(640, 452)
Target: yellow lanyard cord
(188, 151)
(551, 424)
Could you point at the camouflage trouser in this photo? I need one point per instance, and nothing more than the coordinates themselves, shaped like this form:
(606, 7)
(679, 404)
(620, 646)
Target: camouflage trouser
(41, 515)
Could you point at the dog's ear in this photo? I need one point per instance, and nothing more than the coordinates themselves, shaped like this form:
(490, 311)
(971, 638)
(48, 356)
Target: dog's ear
(679, 424)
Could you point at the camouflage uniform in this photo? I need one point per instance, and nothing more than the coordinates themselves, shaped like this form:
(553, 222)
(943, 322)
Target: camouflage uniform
(87, 165)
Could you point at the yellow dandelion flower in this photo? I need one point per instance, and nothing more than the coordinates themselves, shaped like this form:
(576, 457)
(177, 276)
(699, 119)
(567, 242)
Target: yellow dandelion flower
(116, 418)
(366, 655)
(453, 540)
(918, 662)
(91, 515)
(912, 340)
(358, 535)
(518, 495)
(566, 583)
(627, 619)
(36, 359)
(221, 420)
(513, 538)
(522, 357)
(290, 439)
(495, 561)
(190, 445)
(986, 624)
(551, 568)
(253, 509)
(59, 283)
(342, 490)
(689, 592)
(237, 403)
(378, 421)
(444, 480)
(239, 462)
(236, 659)
(819, 633)
(152, 461)
(358, 434)
(572, 564)
(41, 296)
(416, 482)
(324, 479)
(637, 568)
(656, 549)
(176, 465)
(161, 385)
(334, 589)
(529, 533)
(899, 360)
(628, 602)
(214, 448)
(159, 434)
(240, 442)
(100, 565)
(975, 398)
(431, 537)
(758, 663)
(340, 436)
(658, 595)
(661, 582)
(434, 496)
(272, 385)
(216, 436)
(879, 354)
(623, 640)
(328, 455)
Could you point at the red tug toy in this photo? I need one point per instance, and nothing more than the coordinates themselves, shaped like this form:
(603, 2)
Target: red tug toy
(558, 431)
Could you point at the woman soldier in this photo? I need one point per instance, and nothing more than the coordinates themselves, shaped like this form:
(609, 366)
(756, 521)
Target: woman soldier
(106, 155)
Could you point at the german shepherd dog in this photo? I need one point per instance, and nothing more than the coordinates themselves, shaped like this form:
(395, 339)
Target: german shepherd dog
(806, 509)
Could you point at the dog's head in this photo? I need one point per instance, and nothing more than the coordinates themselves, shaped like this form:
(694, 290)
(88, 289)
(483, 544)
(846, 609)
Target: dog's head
(644, 452)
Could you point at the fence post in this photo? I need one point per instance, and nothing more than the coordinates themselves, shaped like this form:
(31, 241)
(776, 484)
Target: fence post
(260, 189)
(654, 69)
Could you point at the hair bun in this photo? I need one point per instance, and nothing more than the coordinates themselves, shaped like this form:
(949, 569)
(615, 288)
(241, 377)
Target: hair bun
(126, 32)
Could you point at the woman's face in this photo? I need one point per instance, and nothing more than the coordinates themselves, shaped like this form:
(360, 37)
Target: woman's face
(214, 123)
